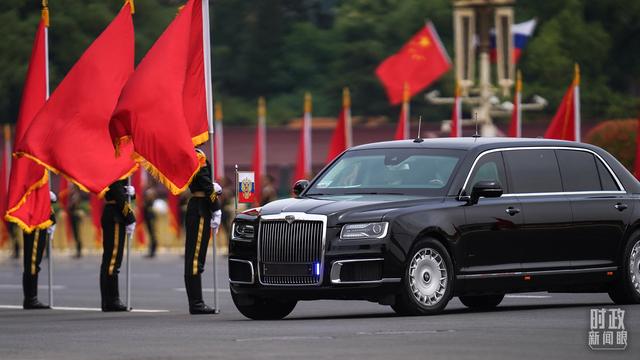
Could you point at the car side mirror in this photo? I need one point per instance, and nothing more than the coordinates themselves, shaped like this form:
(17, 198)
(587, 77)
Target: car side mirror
(488, 189)
(299, 187)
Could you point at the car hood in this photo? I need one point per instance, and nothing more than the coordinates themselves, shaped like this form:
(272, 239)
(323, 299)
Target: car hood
(347, 208)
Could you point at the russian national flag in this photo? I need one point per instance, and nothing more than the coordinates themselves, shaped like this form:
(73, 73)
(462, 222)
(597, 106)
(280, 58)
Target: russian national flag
(521, 34)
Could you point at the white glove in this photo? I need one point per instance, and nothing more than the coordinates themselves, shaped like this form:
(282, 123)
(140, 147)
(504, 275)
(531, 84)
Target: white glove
(130, 228)
(50, 231)
(130, 190)
(53, 196)
(216, 218)
(217, 188)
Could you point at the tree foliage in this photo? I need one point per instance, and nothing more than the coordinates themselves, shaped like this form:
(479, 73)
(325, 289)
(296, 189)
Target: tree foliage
(281, 48)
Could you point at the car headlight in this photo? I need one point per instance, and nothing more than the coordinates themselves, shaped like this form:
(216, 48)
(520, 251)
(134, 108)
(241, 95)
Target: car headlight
(376, 230)
(242, 231)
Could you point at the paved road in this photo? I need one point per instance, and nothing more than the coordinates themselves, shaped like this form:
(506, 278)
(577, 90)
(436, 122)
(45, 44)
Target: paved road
(525, 326)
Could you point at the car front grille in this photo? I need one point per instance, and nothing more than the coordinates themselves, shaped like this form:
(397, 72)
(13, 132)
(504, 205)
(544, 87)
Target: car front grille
(291, 253)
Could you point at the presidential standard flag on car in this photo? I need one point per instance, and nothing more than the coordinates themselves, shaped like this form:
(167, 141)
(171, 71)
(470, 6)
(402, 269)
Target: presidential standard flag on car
(246, 187)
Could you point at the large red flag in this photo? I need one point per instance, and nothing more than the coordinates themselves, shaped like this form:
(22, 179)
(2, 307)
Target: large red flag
(218, 144)
(163, 107)
(404, 120)
(303, 163)
(515, 127)
(420, 62)
(28, 203)
(341, 139)
(260, 149)
(138, 182)
(456, 115)
(70, 135)
(566, 122)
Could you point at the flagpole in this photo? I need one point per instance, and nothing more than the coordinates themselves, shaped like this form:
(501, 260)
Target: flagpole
(576, 100)
(128, 237)
(45, 17)
(206, 39)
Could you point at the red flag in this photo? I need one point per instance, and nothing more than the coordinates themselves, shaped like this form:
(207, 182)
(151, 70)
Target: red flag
(420, 62)
(218, 144)
(63, 199)
(70, 134)
(138, 183)
(173, 202)
(259, 149)
(303, 163)
(456, 115)
(515, 127)
(96, 217)
(163, 106)
(28, 203)
(341, 139)
(566, 122)
(404, 121)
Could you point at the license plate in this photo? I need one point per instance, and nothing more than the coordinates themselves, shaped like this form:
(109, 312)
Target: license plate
(287, 269)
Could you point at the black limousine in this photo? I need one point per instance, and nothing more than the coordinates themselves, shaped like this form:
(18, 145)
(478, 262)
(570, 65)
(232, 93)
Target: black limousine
(413, 223)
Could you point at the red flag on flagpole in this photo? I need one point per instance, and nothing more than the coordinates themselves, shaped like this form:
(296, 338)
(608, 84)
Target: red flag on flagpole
(303, 164)
(515, 127)
(163, 106)
(28, 203)
(96, 217)
(566, 122)
(404, 121)
(420, 62)
(218, 144)
(456, 115)
(138, 183)
(341, 139)
(259, 150)
(70, 135)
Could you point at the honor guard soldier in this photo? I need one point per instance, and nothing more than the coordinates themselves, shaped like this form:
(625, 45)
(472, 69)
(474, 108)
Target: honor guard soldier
(203, 214)
(117, 221)
(34, 244)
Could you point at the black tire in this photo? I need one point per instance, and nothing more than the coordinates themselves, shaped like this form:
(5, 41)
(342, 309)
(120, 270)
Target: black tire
(482, 302)
(623, 290)
(406, 303)
(263, 308)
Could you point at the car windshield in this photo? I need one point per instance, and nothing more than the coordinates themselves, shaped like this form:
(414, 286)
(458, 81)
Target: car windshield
(389, 171)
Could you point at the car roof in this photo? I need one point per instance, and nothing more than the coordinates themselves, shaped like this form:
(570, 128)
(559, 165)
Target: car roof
(469, 143)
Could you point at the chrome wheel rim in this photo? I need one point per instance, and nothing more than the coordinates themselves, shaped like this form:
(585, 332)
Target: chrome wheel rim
(428, 276)
(634, 267)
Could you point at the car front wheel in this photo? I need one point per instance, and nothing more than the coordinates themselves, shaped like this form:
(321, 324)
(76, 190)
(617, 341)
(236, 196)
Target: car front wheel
(427, 285)
(257, 308)
(626, 286)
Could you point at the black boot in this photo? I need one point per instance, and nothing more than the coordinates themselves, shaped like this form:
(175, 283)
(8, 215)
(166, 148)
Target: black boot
(193, 284)
(110, 294)
(30, 291)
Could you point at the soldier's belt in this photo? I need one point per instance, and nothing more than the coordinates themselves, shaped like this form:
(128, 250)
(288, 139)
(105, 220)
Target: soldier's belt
(110, 202)
(198, 194)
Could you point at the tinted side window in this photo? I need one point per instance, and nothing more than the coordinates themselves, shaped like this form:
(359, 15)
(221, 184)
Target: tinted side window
(608, 184)
(533, 171)
(490, 167)
(579, 171)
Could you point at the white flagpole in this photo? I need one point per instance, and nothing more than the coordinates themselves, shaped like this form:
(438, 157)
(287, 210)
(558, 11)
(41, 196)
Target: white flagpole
(46, 72)
(128, 268)
(206, 39)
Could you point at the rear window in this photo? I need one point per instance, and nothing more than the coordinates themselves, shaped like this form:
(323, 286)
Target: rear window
(579, 170)
(533, 171)
(608, 184)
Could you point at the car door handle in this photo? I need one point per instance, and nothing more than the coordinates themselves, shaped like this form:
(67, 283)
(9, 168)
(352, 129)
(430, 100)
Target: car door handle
(512, 211)
(620, 206)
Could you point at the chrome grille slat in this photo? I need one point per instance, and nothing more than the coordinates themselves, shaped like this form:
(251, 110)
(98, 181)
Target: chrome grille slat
(281, 243)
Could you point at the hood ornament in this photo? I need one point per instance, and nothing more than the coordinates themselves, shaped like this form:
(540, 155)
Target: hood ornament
(290, 219)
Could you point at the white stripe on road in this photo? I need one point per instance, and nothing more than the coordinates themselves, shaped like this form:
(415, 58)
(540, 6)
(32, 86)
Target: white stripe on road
(19, 287)
(204, 290)
(70, 308)
(515, 296)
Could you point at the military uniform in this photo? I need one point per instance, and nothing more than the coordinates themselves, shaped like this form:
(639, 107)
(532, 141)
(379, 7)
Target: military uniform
(34, 244)
(116, 216)
(200, 209)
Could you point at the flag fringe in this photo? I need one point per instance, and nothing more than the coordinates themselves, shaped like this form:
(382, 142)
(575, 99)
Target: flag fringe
(164, 180)
(38, 184)
(26, 228)
(200, 139)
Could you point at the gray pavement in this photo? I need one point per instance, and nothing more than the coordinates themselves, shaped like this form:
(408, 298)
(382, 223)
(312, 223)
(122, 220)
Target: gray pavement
(524, 326)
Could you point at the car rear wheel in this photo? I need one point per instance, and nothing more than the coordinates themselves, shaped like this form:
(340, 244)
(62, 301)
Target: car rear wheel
(427, 285)
(482, 302)
(626, 286)
(257, 308)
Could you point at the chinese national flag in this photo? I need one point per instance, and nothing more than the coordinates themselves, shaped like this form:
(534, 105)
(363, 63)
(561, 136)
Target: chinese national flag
(420, 62)
(70, 134)
(456, 115)
(566, 122)
(303, 163)
(162, 109)
(259, 149)
(515, 127)
(341, 138)
(29, 205)
(404, 123)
